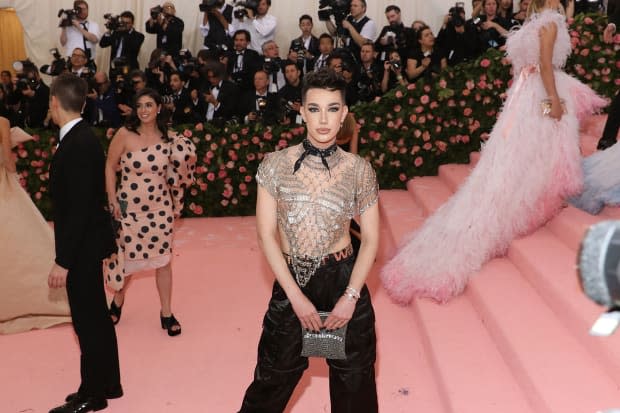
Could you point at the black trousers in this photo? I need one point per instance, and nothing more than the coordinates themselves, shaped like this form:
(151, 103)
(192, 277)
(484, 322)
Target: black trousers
(280, 364)
(99, 365)
(613, 120)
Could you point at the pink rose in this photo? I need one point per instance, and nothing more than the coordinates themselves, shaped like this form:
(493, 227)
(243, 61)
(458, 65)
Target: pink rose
(584, 52)
(402, 177)
(427, 146)
(485, 63)
(38, 196)
(397, 108)
(413, 118)
(247, 178)
(467, 112)
(198, 210)
(255, 140)
(243, 186)
(211, 176)
(222, 174)
(443, 84)
(424, 99)
(224, 202)
(418, 161)
(588, 20)
(398, 94)
(187, 133)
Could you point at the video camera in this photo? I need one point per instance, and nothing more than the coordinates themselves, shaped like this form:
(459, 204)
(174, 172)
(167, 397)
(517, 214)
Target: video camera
(114, 23)
(208, 5)
(58, 65)
(67, 16)
(156, 11)
(188, 63)
(340, 9)
(456, 14)
(241, 7)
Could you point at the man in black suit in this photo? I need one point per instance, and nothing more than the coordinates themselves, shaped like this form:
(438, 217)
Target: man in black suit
(222, 97)
(168, 28)
(612, 125)
(125, 41)
(33, 102)
(305, 49)
(243, 62)
(83, 237)
(260, 105)
(217, 25)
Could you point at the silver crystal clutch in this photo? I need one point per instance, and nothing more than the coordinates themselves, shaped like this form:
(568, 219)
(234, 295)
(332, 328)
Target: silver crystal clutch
(326, 344)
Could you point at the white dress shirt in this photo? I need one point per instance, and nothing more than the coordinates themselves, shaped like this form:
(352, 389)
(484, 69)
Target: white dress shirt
(66, 128)
(75, 39)
(261, 30)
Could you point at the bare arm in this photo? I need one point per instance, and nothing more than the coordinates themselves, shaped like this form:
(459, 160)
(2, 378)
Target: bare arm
(268, 240)
(344, 308)
(413, 70)
(9, 162)
(548, 35)
(63, 36)
(116, 149)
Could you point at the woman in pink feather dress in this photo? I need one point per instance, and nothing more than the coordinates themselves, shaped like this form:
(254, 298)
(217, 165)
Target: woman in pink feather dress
(529, 166)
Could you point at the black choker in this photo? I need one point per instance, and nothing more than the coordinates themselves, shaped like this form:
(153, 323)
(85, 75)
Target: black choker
(310, 149)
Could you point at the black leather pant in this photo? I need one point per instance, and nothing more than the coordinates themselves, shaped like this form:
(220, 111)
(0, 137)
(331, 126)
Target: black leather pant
(280, 364)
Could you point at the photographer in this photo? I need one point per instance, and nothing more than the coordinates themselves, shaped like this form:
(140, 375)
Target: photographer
(258, 104)
(290, 94)
(369, 82)
(81, 33)
(242, 61)
(216, 26)
(326, 47)
(124, 40)
(184, 109)
(77, 64)
(272, 64)
(359, 27)
(167, 27)
(455, 39)
(32, 96)
(126, 89)
(491, 29)
(101, 106)
(160, 66)
(392, 72)
(426, 60)
(341, 62)
(254, 18)
(392, 36)
(221, 96)
(304, 49)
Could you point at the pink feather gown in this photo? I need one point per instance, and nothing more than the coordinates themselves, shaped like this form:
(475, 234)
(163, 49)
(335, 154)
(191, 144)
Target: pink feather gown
(529, 166)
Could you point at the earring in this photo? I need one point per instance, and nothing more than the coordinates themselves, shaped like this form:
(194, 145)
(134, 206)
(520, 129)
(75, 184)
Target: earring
(158, 112)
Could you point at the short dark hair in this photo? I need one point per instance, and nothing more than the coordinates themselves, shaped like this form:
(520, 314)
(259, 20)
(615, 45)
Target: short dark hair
(138, 73)
(217, 68)
(305, 17)
(70, 90)
(324, 78)
(392, 7)
(78, 3)
(128, 14)
(326, 36)
(6, 73)
(133, 121)
(248, 36)
(289, 62)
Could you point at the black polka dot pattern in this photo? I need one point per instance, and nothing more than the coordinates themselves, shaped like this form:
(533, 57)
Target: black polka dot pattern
(154, 191)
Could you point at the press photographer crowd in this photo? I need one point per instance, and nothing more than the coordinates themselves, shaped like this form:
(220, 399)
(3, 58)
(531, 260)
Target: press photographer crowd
(240, 74)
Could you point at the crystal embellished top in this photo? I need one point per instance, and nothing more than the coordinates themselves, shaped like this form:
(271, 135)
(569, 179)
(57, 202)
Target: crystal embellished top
(315, 204)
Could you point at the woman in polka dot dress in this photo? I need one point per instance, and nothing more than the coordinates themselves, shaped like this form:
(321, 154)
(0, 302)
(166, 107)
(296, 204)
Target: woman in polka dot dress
(155, 168)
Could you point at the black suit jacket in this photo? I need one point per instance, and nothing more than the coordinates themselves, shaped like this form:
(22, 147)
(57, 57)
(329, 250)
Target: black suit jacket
(613, 12)
(171, 39)
(217, 34)
(313, 49)
(82, 227)
(132, 41)
(252, 62)
(270, 114)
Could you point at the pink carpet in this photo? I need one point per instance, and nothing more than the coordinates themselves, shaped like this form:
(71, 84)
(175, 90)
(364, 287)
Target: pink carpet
(515, 342)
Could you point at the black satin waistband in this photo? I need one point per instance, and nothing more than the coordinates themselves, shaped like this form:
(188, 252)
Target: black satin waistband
(330, 258)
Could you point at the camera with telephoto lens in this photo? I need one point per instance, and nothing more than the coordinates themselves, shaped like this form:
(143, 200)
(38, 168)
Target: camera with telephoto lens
(241, 7)
(208, 5)
(156, 11)
(272, 66)
(58, 65)
(187, 63)
(456, 14)
(67, 16)
(114, 23)
(298, 47)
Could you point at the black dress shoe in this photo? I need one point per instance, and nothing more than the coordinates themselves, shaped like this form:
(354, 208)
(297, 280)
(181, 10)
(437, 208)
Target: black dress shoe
(81, 405)
(111, 393)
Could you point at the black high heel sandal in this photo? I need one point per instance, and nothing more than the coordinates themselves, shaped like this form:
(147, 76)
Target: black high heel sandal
(168, 323)
(115, 311)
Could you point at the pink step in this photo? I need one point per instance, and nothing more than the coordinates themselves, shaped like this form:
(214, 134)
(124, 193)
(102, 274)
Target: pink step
(473, 158)
(610, 213)
(549, 266)
(547, 360)
(570, 226)
(453, 175)
(429, 192)
(471, 370)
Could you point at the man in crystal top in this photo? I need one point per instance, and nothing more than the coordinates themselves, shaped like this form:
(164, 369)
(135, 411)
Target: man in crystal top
(307, 195)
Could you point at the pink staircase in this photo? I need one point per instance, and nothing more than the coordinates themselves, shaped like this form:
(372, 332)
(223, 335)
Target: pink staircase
(517, 339)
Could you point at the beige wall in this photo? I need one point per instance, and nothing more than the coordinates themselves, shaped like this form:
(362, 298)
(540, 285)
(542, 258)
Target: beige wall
(41, 32)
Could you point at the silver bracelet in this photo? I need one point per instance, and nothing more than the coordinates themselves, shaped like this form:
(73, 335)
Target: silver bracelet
(353, 292)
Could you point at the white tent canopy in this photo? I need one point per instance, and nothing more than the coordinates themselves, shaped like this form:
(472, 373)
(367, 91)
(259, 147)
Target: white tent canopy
(41, 31)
